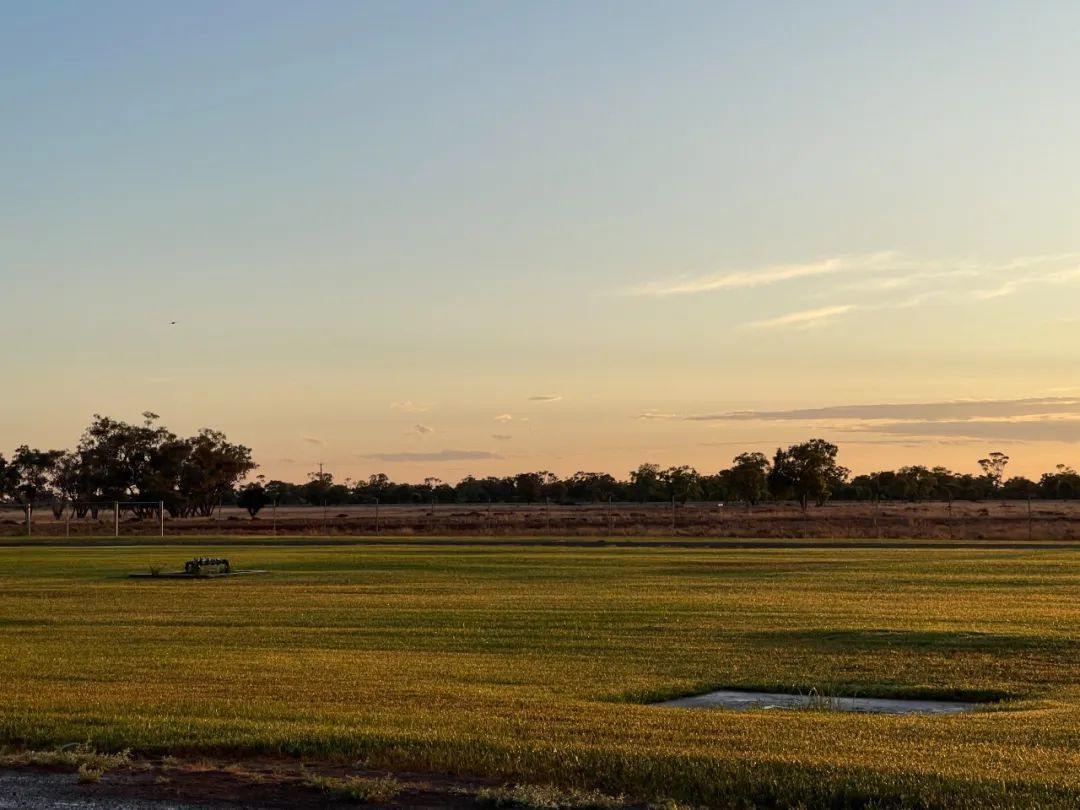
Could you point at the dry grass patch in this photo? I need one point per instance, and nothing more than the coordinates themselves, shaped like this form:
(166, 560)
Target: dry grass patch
(363, 789)
(547, 797)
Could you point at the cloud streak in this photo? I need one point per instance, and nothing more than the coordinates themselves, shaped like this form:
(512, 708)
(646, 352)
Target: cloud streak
(409, 407)
(762, 276)
(881, 277)
(1036, 419)
(545, 398)
(926, 411)
(1022, 430)
(805, 319)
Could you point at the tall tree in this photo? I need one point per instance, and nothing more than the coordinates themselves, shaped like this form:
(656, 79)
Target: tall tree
(31, 473)
(253, 497)
(645, 482)
(681, 483)
(748, 478)
(809, 470)
(993, 467)
(529, 486)
(211, 470)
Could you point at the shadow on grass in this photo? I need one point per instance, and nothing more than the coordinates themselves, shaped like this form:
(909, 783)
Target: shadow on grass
(860, 642)
(855, 641)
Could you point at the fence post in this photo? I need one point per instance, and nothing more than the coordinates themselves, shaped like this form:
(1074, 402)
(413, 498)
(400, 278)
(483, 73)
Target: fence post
(67, 521)
(116, 518)
(672, 514)
(161, 514)
(376, 516)
(1030, 527)
(274, 513)
(29, 511)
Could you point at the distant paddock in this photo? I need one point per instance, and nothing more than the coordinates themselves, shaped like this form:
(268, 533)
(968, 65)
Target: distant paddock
(962, 520)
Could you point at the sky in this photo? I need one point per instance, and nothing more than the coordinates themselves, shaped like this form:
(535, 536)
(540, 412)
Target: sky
(439, 239)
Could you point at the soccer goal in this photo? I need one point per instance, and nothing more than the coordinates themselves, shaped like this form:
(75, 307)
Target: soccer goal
(153, 511)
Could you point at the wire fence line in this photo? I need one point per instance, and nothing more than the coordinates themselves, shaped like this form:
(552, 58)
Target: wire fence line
(1014, 520)
(86, 513)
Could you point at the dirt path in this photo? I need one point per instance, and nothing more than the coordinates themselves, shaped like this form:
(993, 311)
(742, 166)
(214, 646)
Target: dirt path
(38, 790)
(213, 785)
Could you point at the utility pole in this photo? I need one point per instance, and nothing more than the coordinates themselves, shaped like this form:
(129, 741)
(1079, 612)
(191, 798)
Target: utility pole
(322, 482)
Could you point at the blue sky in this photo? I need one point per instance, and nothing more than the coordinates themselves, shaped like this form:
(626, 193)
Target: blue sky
(644, 209)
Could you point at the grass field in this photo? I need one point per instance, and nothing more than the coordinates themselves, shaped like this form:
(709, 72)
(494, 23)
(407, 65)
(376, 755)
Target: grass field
(532, 665)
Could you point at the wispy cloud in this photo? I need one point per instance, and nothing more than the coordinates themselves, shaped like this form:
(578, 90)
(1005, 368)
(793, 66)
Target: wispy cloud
(410, 407)
(879, 272)
(1022, 430)
(1033, 419)
(313, 440)
(879, 278)
(545, 398)
(907, 279)
(441, 455)
(424, 429)
(501, 437)
(925, 411)
(504, 417)
(771, 274)
(652, 413)
(805, 319)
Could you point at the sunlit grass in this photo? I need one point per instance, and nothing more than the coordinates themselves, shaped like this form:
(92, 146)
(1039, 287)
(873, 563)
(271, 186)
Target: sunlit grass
(530, 665)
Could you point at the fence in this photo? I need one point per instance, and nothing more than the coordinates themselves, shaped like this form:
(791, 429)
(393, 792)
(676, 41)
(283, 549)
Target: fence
(1015, 520)
(57, 519)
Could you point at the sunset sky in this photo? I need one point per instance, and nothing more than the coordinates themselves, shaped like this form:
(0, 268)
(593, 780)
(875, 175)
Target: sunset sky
(485, 237)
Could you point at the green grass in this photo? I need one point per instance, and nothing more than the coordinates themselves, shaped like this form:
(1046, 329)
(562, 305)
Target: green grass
(530, 665)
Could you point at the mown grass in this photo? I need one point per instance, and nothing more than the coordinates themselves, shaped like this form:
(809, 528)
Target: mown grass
(528, 664)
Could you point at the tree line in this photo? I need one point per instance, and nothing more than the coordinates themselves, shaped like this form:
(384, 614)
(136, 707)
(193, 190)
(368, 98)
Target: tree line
(117, 461)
